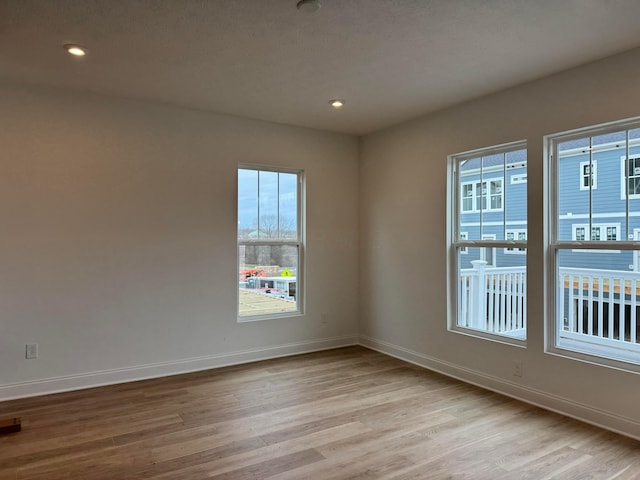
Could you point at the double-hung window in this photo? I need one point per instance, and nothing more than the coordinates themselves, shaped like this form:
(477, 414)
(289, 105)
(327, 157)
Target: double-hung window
(487, 293)
(594, 244)
(270, 242)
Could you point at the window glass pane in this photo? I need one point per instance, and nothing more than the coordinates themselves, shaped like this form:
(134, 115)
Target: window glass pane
(493, 181)
(467, 197)
(470, 190)
(603, 175)
(247, 204)
(268, 201)
(516, 192)
(608, 140)
(596, 292)
(492, 196)
(267, 279)
(288, 201)
(491, 299)
(581, 144)
(573, 197)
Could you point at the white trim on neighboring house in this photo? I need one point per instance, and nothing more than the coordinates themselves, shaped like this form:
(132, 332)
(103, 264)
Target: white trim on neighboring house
(494, 168)
(582, 216)
(584, 174)
(496, 224)
(633, 142)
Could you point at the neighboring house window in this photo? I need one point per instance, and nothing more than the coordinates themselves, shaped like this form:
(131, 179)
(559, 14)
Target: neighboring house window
(483, 195)
(464, 236)
(486, 300)
(631, 172)
(588, 175)
(521, 178)
(270, 242)
(594, 311)
(520, 234)
(599, 231)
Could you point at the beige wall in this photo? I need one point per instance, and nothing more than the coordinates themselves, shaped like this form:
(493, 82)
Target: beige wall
(403, 225)
(118, 239)
(118, 247)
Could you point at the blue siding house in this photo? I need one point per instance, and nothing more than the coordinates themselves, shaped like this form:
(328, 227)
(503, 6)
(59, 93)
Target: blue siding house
(593, 185)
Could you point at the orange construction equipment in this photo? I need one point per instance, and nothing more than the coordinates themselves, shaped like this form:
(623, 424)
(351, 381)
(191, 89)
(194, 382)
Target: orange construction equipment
(252, 272)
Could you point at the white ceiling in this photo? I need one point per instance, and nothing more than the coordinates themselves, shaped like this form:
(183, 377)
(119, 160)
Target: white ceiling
(391, 60)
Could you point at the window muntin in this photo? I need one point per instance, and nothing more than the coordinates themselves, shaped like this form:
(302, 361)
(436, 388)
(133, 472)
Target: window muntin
(595, 284)
(270, 247)
(488, 295)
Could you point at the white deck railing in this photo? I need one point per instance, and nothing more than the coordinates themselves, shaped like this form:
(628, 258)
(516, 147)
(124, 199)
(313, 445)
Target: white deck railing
(597, 306)
(500, 293)
(600, 303)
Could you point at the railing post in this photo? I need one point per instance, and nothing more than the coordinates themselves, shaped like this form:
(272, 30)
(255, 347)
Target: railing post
(478, 297)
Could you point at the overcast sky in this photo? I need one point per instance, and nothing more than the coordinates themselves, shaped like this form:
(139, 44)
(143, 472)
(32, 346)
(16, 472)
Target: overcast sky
(276, 191)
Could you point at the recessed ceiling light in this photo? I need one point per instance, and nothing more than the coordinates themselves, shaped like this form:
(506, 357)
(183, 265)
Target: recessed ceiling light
(76, 50)
(309, 6)
(336, 103)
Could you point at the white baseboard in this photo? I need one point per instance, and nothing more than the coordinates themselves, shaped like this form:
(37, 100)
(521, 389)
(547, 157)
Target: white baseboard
(609, 421)
(144, 372)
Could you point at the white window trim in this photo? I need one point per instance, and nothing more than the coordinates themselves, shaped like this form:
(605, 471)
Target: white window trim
(623, 177)
(298, 242)
(594, 175)
(485, 181)
(557, 341)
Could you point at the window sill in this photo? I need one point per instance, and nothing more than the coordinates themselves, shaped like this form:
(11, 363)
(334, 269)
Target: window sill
(517, 340)
(270, 316)
(625, 356)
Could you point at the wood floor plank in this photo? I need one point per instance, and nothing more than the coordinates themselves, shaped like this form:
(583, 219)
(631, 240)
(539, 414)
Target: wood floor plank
(344, 413)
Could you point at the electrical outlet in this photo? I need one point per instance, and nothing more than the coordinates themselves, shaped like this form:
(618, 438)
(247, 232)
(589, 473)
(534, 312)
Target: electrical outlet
(323, 318)
(31, 350)
(517, 368)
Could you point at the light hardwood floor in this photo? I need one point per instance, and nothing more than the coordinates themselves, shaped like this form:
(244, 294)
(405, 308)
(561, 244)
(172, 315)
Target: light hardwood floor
(345, 413)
